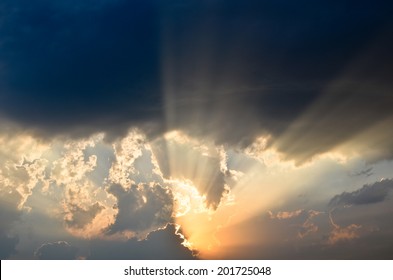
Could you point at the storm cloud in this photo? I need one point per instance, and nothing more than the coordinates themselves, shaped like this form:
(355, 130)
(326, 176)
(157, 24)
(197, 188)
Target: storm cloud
(227, 70)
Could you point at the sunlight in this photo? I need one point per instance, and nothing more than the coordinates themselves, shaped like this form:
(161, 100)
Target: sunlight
(270, 182)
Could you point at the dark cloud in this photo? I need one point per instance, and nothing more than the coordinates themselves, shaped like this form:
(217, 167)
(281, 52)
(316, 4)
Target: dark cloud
(311, 74)
(230, 70)
(141, 208)
(368, 194)
(80, 64)
(162, 244)
(60, 250)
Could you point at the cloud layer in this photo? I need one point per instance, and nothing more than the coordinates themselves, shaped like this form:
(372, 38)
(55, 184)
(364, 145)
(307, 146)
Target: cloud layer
(239, 129)
(228, 70)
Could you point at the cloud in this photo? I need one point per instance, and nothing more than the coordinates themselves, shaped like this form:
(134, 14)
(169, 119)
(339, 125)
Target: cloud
(74, 69)
(159, 245)
(124, 116)
(286, 215)
(126, 151)
(309, 226)
(65, 57)
(180, 157)
(60, 250)
(9, 214)
(340, 234)
(141, 208)
(344, 234)
(306, 111)
(81, 217)
(374, 193)
(366, 172)
(300, 219)
(73, 166)
(122, 193)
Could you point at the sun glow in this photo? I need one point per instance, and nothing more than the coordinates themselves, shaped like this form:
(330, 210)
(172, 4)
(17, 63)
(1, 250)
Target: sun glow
(256, 180)
(197, 221)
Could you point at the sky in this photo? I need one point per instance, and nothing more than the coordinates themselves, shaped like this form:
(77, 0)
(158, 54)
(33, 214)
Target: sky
(195, 129)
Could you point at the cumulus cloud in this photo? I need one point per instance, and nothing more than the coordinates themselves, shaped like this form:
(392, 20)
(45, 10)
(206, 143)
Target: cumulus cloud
(21, 165)
(60, 250)
(127, 150)
(161, 244)
(373, 193)
(141, 208)
(21, 170)
(73, 166)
